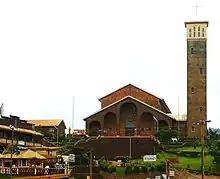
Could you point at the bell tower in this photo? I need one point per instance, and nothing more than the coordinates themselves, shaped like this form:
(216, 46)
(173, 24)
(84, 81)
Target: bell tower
(196, 75)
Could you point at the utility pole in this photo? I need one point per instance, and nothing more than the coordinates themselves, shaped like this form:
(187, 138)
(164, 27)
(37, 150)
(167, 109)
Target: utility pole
(90, 166)
(57, 131)
(202, 124)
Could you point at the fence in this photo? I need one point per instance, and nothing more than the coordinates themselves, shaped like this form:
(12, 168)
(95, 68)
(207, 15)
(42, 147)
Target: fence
(28, 171)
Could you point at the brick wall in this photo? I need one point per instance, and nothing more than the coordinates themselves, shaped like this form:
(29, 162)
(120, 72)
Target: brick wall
(196, 85)
(131, 90)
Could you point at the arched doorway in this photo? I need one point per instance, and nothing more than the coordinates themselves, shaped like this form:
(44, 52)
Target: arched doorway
(147, 122)
(163, 125)
(94, 128)
(110, 121)
(128, 118)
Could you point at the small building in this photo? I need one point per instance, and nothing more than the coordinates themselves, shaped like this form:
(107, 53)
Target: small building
(23, 134)
(49, 127)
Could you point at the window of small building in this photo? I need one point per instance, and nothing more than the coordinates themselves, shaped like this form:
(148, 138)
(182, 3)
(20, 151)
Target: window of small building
(51, 129)
(24, 163)
(1, 134)
(193, 129)
(190, 32)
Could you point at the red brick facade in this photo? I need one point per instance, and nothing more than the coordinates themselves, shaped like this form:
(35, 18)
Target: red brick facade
(130, 90)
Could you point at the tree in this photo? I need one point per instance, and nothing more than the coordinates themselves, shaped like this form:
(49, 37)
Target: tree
(165, 135)
(213, 143)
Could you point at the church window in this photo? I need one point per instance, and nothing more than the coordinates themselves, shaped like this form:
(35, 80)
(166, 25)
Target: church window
(200, 69)
(192, 50)
(194, 31)
(193, 129)
(203, 32)
(190, 32)
(199, 31)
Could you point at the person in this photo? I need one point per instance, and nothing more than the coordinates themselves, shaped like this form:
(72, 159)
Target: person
(47, 170)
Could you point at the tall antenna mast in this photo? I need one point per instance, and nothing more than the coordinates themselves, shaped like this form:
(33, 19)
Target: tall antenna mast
(72, 113)
(178, 113)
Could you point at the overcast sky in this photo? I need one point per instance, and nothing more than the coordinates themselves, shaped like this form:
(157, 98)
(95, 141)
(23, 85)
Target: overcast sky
(53, 50)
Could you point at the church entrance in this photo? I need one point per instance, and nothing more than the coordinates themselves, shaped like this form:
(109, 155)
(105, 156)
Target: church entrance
(129, 129)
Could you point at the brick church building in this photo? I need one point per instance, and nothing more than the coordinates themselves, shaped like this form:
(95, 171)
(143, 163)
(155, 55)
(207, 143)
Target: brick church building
(131, 111)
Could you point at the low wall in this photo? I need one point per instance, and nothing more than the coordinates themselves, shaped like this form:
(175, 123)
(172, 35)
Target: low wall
(131, 176)
(56, 176)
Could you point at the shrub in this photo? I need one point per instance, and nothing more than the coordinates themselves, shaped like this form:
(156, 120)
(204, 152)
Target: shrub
(135, 169)
(111, 169)
(152, 168)
(161, 167)
(144, 169)
(128, 170)
(103, 165)
(123, 159)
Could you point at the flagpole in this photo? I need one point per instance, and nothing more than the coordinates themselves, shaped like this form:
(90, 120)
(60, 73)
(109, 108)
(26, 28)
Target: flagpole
(178, 113)
(73, 113)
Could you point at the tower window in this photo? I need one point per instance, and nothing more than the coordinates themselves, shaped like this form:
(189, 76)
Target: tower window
(193, 129)
(200, 69)
(203, 32)
(194, 31)
(190, 32)
(192, 50)
(192, 90)
(199, 31)
(200, 108)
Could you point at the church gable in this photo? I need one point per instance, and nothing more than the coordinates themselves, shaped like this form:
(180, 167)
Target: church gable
(131, 90)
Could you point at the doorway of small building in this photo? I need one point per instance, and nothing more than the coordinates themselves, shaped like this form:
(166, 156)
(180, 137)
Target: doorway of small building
(130, 129)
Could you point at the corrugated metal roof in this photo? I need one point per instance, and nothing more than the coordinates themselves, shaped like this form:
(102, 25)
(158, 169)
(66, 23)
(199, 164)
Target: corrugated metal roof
(22, 130)
(179, 117)
(45, 122)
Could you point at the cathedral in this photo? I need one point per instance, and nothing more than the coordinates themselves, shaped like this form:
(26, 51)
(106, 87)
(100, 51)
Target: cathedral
(132, 111)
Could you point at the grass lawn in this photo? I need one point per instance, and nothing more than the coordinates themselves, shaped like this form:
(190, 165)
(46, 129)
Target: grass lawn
(192, 163)
(197, 149)
(185, 162)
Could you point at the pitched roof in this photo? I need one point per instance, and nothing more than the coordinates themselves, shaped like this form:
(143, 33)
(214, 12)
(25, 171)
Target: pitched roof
(133, 99)
(127, 86)
(21, 130)
(45, 122)
(30, 154)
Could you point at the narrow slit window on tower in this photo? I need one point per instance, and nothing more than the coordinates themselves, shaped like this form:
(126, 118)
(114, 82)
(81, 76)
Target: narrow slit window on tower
(194, 31)
(200, 70)
(199, 31)
(203, 32)
(192, 50)
(200, 108)
(193, 129)
(190, 32)
(192, 90)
